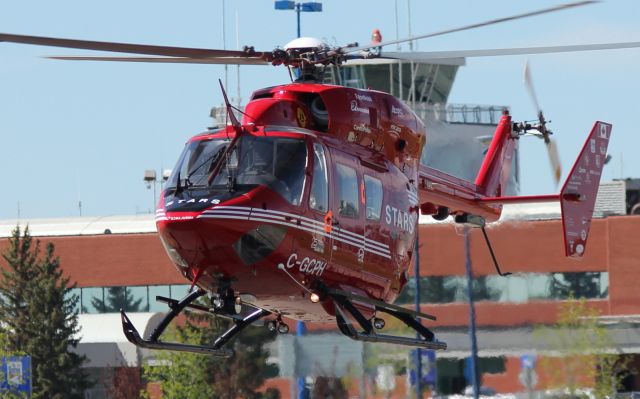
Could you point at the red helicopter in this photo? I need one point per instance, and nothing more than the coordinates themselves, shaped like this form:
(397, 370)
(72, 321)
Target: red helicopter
(307, 207)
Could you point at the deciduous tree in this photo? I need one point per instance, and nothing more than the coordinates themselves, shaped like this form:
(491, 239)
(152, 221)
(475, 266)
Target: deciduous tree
(585, 352)
(201, 376)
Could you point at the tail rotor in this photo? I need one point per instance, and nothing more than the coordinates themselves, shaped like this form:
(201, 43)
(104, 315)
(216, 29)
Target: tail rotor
(541, 128)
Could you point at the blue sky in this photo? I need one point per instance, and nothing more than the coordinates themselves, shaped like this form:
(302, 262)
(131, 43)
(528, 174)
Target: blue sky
(73, 131)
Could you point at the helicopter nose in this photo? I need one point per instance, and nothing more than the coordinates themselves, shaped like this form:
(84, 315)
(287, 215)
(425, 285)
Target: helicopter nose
(219, 245)
(195, 243)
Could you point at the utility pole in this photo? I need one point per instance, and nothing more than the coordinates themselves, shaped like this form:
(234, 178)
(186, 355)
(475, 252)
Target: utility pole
(472, 315)
(224, 45)
(311, 6)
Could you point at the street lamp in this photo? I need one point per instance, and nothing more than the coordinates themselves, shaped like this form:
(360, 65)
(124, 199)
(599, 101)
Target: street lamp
(312, 6)
(150, 179)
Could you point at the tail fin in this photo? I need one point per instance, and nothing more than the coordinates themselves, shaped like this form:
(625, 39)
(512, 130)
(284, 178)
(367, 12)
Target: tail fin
(578, 195)
(496, 166)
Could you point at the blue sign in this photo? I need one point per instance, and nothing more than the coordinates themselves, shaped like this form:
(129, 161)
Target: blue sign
(285, 5)
(16, 375)
(428, 366)
(528, 362)
(312, 6)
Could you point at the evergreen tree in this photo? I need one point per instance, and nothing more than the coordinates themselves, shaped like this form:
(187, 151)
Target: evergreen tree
(21, 258)
(37, 295)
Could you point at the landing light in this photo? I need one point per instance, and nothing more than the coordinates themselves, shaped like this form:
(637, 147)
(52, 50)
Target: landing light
(315, 298)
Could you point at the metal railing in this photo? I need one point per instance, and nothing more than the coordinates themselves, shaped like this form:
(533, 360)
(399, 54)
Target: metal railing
(449, 113)
(461, 113)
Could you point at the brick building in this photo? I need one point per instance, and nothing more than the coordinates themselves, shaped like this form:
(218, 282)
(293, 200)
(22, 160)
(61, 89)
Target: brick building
(115, 254)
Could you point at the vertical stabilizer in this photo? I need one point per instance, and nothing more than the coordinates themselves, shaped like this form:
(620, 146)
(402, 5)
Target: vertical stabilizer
(578, 195)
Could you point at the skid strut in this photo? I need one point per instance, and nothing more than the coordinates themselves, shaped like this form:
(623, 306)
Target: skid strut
(216, 349)
(346, 311)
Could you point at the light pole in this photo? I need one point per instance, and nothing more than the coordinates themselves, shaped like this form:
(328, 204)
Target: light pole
(151, 180)
(416, 269)
(299, 7)
(312, 6)
(475, 381)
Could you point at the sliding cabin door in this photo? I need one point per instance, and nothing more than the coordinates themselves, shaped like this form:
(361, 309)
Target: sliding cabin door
(348, 211)
(320, 206)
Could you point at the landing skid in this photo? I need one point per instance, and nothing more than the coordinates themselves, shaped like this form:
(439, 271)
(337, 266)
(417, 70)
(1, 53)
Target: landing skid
(346, 311)
(153, 342)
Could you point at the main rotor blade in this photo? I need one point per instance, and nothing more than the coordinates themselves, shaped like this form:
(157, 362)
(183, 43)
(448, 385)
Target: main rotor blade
(168, 60)
(476, 25)
(167, 51)
(433, 55)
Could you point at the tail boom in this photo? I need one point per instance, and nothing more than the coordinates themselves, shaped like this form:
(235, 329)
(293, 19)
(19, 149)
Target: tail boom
(483, 197)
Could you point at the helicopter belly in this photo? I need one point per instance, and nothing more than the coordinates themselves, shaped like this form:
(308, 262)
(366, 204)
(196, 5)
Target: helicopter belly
(272, 257)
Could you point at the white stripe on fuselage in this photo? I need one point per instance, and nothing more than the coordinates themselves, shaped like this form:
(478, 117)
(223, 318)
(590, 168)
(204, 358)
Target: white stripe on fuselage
(300, 223)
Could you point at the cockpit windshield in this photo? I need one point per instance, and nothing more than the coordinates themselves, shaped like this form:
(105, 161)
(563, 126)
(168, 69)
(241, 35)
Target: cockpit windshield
(276, 162)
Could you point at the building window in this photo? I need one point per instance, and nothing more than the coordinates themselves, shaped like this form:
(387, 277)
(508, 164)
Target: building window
(158, 290)
(140, 298)
(523, 287)
(92, 300)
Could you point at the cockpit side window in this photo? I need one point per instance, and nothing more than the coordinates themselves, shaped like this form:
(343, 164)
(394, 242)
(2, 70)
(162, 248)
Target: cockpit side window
(348, 192)
(196, 163)
(278, 163)
(373, 197)
(289, 165)
(319, 197)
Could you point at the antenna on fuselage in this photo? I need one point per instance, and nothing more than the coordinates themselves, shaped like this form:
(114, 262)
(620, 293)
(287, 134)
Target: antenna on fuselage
(232, 117)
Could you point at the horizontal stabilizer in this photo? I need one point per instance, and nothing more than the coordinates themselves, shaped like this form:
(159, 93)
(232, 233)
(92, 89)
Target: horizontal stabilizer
(578, 195)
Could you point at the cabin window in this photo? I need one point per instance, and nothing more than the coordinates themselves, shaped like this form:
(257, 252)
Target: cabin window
(347, 191)
(319, 197)
(373, 197)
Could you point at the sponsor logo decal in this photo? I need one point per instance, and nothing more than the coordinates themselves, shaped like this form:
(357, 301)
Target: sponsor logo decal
(603, 132)
(397, 111)
(363, 97)
(357, 108)
(302, 118)
(361, 127)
